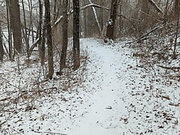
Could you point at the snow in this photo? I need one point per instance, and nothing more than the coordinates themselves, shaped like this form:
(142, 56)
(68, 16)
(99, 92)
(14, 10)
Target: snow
(116, 79)
(115, 97)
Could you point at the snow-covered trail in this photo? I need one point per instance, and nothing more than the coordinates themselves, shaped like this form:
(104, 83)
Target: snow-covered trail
(109, 83)
(124, 98)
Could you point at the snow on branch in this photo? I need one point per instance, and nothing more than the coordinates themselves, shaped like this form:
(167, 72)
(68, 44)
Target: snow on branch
(94, 5)
(61, 17)
(58, 20)
(153, 3)
(82, 8)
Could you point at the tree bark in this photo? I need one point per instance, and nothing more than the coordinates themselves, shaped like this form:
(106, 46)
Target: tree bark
(111, 23)
(177, 32)
(54, 10)
(65, 36)
(42, 46)
(49, 39)
(176, 9)
(101, 14)
(15, 24)
(120, 18)
(41, 34)
(144, 18)
(9, 31)
(1, 45)
(25, 30)
(76, 42)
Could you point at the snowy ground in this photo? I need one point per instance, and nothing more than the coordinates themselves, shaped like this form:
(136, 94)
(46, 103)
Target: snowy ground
(116, 98)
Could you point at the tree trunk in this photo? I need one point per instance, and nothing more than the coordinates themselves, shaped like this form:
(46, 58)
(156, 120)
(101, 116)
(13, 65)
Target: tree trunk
(145, 10)
(15, 24)
(166, 12)
(176, 9)
(25, 30)
(65, 36)
(120, 18)
(177, 15)
(1, 45)
(9, 31)
(54, 10)
(42, 46)
(41, 34)
(101, 14)
(85, 20)
(111, 23)
(31, 32)
(49, 39)
(76, 42)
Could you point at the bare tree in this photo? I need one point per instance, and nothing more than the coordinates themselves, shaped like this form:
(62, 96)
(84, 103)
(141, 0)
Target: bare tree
(49, 39)
(166, 11)
(143, 17)
(41, 34)
(31, 26)
(176, 8)
(15, 24)
(177, 16)
(1, 45)
(65, 36)
(25, 32)
(96, 17)
(111, 23)
(54, 10)
(9, 31)
(76, 42)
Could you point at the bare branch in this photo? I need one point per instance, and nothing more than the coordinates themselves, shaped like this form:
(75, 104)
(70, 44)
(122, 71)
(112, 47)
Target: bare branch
(171, 68)
(153, 3)
(82, 8)
(93, 5)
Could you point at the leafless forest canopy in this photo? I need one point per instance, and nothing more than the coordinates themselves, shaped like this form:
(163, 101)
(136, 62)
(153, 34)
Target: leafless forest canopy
(27, 22)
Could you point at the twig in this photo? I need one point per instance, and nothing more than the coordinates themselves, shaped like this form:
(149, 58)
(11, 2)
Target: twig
(53, 133)
(146, 34)
(4, 99)
(171, 68)
(176, 105)
(2, 123)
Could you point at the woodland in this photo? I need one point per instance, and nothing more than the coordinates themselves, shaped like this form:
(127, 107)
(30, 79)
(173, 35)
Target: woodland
(89, 67)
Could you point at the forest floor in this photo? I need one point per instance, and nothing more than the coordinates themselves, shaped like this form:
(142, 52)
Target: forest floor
(115, 96)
